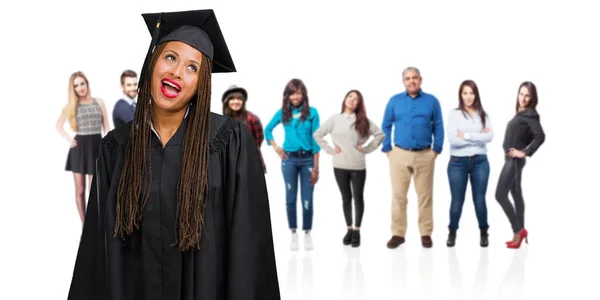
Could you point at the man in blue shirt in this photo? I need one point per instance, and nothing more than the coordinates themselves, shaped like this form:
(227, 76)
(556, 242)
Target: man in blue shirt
(418, 138)
(125, 108)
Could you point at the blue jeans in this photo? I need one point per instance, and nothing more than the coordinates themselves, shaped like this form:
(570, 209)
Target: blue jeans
(460, 170)
(298, 164)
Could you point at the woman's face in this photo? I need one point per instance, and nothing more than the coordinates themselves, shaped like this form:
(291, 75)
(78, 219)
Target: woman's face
(80, 87)
(175, 76)
(524, 97)
(235, 104)
(468, 96)
(351, 101)
(296, 98)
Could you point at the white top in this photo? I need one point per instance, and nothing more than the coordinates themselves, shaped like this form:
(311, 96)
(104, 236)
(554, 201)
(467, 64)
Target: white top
(475, 141)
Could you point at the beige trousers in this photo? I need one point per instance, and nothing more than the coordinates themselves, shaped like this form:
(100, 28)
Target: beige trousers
(404, 164)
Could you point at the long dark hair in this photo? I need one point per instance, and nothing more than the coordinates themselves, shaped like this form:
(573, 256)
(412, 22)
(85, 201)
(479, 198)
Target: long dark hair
(240, 115)
(361, 125)
(290, 88)
(192, 188)
(476, 103)
(533, 96)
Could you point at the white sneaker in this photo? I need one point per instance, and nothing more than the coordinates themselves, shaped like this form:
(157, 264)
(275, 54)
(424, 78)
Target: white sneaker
(308, 242)
(294, 243)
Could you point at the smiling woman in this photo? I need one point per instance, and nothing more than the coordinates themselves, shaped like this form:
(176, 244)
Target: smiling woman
(170, 217)
(349, 130)
(234, 105)
(176, 58)
(88, 119)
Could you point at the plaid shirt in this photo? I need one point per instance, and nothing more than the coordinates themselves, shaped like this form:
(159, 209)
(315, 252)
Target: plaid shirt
(256, 129)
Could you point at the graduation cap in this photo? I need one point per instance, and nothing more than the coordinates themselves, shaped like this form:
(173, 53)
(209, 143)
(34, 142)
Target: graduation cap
(197, 28)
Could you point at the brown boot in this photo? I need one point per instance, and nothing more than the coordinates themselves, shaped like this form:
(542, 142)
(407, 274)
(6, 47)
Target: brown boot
(395, 241)
(426, 241)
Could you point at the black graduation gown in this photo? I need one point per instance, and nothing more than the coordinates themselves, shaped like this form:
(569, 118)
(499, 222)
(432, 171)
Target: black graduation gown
(236, 259)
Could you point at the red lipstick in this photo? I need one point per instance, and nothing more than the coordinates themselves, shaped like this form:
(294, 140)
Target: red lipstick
(170, 88)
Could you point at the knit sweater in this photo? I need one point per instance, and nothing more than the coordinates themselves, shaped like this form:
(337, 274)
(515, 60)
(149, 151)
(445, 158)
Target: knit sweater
(344, 136)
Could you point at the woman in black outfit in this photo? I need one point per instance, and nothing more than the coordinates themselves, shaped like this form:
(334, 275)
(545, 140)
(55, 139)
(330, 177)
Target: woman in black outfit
(524, 135)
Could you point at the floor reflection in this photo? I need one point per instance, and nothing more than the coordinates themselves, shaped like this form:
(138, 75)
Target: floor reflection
(354, 279)
(512, 285)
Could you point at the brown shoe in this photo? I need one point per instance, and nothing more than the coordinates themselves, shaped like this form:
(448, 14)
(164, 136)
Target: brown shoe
(395, 241)
(426, 241)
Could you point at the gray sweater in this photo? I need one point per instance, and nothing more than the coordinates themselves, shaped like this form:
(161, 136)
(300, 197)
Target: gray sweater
(344, 136)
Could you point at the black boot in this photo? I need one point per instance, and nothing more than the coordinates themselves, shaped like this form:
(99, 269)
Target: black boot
(348, 237)
(451, 238)
(484, 242)
(355, 238)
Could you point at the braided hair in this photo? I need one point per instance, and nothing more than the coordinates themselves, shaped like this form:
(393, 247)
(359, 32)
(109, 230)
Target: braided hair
(192, 188)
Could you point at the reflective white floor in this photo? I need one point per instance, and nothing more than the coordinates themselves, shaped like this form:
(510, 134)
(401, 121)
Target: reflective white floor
(411, 272)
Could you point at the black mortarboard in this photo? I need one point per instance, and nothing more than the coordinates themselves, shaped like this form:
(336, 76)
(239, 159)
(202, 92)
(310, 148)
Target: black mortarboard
(197, 28)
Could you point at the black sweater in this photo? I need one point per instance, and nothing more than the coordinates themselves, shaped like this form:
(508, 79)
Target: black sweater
(524, 132)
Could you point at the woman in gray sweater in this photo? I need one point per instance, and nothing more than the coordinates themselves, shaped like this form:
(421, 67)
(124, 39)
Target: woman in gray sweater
(349, 130)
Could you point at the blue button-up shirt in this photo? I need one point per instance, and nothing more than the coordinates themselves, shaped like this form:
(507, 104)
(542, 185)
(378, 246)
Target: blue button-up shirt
(415, 121)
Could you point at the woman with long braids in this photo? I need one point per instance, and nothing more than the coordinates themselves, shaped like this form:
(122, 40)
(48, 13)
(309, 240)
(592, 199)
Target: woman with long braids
(523, 137)
(179, 206)
(350, 129)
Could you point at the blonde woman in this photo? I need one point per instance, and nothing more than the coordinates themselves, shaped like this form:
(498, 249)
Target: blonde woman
(88, 119)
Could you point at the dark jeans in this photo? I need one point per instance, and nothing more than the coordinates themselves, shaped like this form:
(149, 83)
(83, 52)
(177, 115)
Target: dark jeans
(510, 181)
(460, 170)
(351, 183)
(298, 166)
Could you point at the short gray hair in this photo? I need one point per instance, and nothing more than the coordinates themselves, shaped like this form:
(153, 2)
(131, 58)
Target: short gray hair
(411, 69)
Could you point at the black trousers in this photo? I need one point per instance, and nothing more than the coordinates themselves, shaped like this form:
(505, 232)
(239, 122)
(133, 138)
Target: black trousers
(352, 183)
(510, 181)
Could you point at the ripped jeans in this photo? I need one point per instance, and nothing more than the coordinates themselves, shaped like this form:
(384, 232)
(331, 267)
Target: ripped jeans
(298, 165)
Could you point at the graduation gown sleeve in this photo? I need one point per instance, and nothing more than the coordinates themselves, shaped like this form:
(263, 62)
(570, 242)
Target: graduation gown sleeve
(89, 279)
(251, 271)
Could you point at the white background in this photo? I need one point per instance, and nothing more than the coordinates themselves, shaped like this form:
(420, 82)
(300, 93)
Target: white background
(333, 48)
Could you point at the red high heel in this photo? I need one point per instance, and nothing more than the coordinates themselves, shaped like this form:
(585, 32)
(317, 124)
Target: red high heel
(522, 236)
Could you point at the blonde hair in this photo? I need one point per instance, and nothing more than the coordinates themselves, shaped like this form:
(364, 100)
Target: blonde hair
(73, 99)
